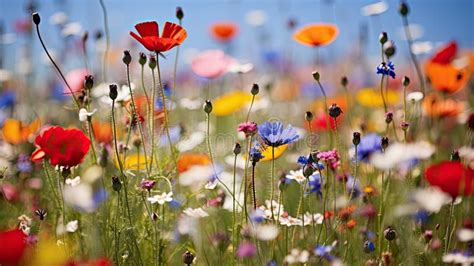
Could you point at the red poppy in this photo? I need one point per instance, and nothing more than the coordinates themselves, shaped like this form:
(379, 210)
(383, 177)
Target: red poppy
(172, 35)
(224, 31)
(451, 177)
(63, 147)
(446, 54)
(12, 247)
(320, 122)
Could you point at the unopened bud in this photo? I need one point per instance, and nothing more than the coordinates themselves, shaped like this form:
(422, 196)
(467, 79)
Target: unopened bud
(390, 234)
(335, 111)
(237, 148)
(406, 81)
(142, 59)
(36, 18)
(308, 116)
(316, 75)
(207, 107)
(384, 142)
(455, 156)
(89, 82)
(255, 89)
(389, 49)
(403, 9)
(179, 13)
(113, 93)
(116, 184)
(344, 81)
(127, 58)
(383, 38)
(152, 62)
(356, 138)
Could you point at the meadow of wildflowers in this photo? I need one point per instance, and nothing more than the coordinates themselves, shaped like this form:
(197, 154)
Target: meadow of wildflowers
(128, 160)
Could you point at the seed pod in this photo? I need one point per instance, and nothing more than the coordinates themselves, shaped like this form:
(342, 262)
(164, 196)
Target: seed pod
(255, 89)
(113, 93)
(207, 107)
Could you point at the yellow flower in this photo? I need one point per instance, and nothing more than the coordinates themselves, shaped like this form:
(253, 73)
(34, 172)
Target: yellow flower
(133, 161)
(47, 252)
(15, 132)
(369, 97)
(230, 103)
(267, 152)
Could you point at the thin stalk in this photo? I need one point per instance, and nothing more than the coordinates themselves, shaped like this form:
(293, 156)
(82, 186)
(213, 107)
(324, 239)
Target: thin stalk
(165, 111)
(107, 40)
(272, 182)
(447, 237)
(419, 73)
(250, 108)
(76, 102)
(254, 195)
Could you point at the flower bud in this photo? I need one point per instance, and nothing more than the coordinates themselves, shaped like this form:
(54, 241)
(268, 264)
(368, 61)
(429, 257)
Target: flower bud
(316, 75)
(390, 234)
(308, 170)
(404, 126)
(137, 141)
(384, 142)
(406, 81)
(88, 82)
(237, 148)
(455, 156)
(207, 107)
(113, 93)
(154, 217)
(98, 35)
(335, 111)
(255, 89)
(116, 184)
(383, 38)
(291, 23)
(388, 117)
(403, 9)
(127, 58)
(152, 62)
(188, 257)
(369, 246)
(179, 13)
(344, 81)
(389, 49)
(356, 138)
(142, 59)
(36, 18)
(308, 116)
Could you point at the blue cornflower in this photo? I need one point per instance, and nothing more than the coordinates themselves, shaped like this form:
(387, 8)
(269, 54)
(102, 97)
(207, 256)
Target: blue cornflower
(7, 99)
(315, 182)
(386, 69)
(255, 153)
(273, 134)
(421, 216)
(368, 144)
(257, 216)
(350, 183)
(324, 252)
(369, 246)
(302, 160)
(175, 134)
(24, 164)
(159, 102)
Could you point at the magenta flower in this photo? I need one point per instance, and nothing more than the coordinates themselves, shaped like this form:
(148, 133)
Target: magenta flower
(249, 128)
(147, 184)
(246, 250)
(331, 158)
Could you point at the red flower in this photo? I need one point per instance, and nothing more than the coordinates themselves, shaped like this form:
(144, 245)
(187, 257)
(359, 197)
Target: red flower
(173, 35)
(63, 147)
(12, 247)
(451, 177)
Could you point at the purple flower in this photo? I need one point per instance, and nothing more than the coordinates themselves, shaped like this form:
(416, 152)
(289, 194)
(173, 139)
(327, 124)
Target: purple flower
(386, 69)
(368, 144)
(147, 184)
(246, 250)
(249, 128)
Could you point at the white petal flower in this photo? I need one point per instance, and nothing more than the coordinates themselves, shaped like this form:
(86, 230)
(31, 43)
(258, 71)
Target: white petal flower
(72, 29)
(465, 235)
(398, 153)
(415, 96)
(240, 68)
(161, 199)
(374, 9)
(72, 226)
(296, 175)
(256, 18)
(419, 48)
(193, 141)
(58, 18)
(196, 213)
(83, 114)
(73, 181)
(266, 232)
(431, 199)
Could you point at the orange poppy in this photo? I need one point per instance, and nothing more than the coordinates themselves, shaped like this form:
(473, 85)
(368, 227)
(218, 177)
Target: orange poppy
(15, 132)
(102, 132)
(446, 78)
(224, 31)
(315, 35)
(435, 106)
(187, 160)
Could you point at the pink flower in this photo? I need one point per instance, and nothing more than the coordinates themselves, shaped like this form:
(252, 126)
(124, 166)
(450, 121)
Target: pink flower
(331, 158)
(246, 250)
(249, 128)
(75, 78)
(211, 64)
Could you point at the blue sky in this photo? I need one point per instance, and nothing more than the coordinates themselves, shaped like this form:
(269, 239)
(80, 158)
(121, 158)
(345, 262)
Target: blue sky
(442, 20)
